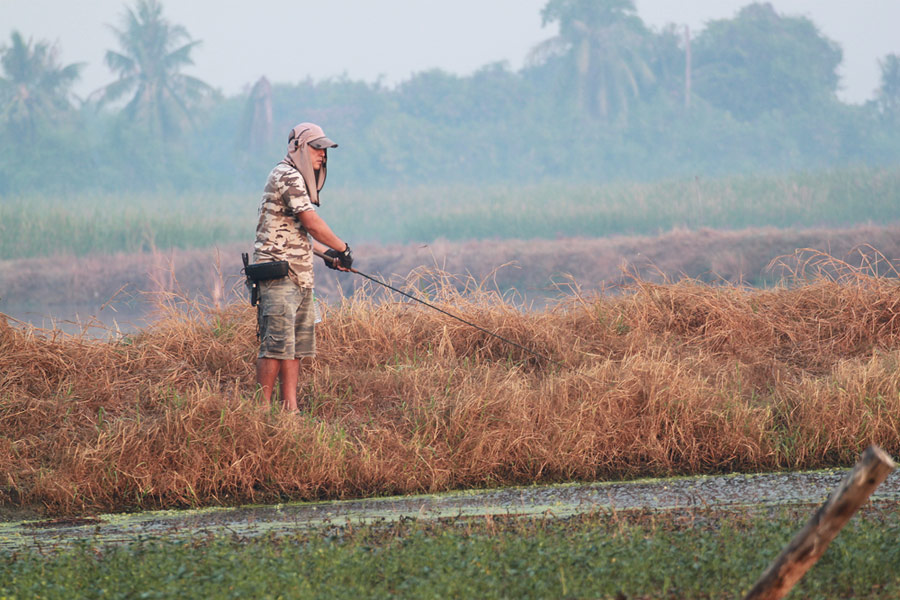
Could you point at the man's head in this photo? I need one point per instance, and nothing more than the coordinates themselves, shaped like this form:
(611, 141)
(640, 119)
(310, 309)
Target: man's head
(311, 135)
(308, 151)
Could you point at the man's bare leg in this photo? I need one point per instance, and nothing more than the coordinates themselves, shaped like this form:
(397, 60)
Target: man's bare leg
(290, 374)
(270, 369)
(266, 371)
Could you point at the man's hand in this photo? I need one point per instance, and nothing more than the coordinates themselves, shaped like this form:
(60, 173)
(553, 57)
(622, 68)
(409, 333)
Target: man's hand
(332, 258)
(339, 260)
(346, 257)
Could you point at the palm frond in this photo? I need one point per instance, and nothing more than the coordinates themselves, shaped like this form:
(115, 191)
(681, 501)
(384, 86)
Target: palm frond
(555, 46)
(181, 56)
(116, 89)
(119, 63)
(197, 88)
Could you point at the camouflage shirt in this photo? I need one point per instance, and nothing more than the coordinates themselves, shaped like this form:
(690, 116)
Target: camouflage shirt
(279, 233)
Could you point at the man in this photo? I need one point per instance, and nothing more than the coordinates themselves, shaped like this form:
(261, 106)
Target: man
(289, 229)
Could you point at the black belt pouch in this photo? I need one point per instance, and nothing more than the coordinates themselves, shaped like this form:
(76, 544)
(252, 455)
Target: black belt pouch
(267, 270)
(263, 271)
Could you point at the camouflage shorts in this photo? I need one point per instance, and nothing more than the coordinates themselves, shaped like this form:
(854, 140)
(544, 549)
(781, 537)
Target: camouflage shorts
(286, 315)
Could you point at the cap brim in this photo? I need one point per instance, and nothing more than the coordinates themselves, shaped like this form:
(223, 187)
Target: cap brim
(322, 143)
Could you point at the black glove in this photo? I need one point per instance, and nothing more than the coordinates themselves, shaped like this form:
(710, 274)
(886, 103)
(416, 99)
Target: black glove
(333, 258)
(345, 258)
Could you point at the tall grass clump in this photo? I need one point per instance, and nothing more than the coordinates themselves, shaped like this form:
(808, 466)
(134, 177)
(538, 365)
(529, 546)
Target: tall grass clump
(663, 379)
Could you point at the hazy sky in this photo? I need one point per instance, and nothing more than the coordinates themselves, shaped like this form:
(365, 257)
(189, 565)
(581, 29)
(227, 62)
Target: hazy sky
(392, 39)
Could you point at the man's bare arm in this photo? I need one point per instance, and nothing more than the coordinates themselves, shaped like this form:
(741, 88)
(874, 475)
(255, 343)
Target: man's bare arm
(321, 232)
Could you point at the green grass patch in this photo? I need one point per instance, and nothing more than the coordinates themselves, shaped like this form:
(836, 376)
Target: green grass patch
(835, 198)
(106, 224)
(45, 226)
(646, 555)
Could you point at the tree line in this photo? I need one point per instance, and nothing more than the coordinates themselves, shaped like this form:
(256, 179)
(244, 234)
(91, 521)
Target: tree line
(608, 98)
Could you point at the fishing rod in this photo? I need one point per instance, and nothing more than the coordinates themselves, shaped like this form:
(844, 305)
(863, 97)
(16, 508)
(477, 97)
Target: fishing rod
(327, 258)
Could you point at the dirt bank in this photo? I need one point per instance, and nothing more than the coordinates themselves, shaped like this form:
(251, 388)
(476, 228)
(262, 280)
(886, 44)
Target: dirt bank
(529, 266)
(687, 493)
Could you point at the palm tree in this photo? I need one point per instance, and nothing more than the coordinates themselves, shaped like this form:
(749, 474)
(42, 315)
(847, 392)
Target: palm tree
(605, 40)
(153, 53)
(34, 86)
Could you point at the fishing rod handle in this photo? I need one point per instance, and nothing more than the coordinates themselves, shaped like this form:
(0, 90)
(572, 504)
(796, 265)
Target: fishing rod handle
(325, 257)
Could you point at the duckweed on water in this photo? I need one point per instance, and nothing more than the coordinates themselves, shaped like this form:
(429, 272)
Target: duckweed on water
(684, 555)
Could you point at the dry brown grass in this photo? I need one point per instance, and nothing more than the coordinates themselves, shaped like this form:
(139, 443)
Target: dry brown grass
(666, 378)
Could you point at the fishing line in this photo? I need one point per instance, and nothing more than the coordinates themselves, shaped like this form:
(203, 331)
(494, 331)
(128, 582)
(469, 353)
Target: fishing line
(451, 315)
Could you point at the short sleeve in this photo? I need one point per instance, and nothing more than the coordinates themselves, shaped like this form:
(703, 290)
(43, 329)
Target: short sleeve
(294, 194)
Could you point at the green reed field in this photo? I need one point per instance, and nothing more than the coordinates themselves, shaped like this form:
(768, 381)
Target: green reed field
(639, 555)
(79, 225)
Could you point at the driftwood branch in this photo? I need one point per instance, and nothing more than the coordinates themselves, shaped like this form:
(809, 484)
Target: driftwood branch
(810, 543)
